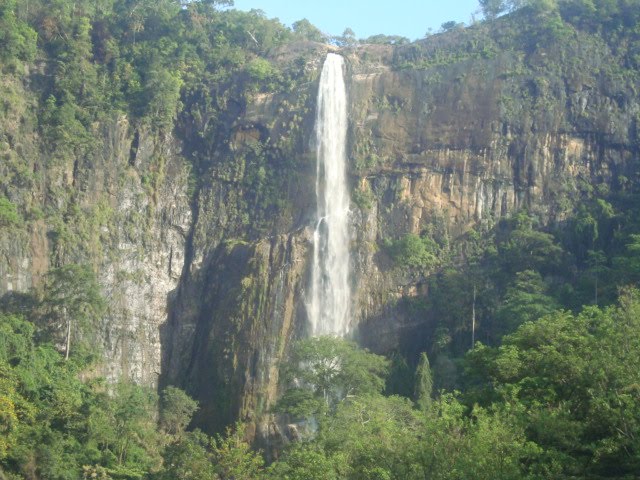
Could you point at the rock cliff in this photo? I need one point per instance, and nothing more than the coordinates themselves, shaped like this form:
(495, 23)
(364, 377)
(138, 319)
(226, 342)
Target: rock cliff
(206, 279)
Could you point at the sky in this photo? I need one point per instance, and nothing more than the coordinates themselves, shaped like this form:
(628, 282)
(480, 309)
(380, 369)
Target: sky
(409, 18)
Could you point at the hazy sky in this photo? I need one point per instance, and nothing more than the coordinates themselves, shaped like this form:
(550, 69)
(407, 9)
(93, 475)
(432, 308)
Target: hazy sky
(409, 18)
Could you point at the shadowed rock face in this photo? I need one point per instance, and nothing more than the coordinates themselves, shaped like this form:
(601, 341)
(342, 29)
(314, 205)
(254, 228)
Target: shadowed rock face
(207, 288)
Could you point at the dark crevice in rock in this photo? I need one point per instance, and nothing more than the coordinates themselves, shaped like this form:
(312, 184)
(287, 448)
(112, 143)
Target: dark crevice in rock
(133, 151)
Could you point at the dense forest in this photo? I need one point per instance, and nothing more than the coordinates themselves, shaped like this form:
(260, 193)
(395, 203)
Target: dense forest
(535, 375)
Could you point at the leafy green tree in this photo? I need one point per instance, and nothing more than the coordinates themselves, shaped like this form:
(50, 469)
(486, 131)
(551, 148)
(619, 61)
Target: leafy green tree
(323, 371)
(401, 377)
(233, 457)
(596, 260)
(162, 94)
(261, 75)
(121, 430)
(372, 436)
(347, 39)
(451, 302)
(306, 30)
(574, 376)
(493, 8)
(525, 300)
(424, 383)
(176, 410)
(189, 458)
(413, 251)
(451, 25)
(17, 38)
(525, 248)
(386, 40)
(488, 444)
(136, 443)
(72, 296)
(15, 409)
(42, 400)
(628, 263)
(303, 462)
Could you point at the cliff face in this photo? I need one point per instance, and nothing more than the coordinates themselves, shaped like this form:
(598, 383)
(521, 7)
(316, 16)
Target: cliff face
(444, 148)
(453, 133)
(207, 287)
(123, 209)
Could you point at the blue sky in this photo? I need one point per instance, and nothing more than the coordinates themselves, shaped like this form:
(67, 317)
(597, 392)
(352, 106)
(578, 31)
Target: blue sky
(409, 18)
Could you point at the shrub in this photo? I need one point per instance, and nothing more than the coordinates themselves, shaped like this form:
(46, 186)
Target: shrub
(9, 216)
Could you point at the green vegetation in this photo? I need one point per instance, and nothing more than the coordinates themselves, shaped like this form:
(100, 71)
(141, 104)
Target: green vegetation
(72, 298)
(363, 197)
(59, 421)
(558, 399)
(541, 405)
(323, 372)
(527, 364)
(414, 251)
(53, 423)
(17, 38)
(56, 426)
(9, 216)
(72, 71)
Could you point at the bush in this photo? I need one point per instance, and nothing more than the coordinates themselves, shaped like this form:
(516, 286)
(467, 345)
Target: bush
(413, 251)
(9, 216)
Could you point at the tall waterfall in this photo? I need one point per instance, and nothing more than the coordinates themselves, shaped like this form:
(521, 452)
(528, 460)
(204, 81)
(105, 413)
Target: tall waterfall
(330, 292)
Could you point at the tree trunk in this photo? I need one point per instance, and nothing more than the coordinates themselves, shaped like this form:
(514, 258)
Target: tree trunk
(68, 342)
(473, 319)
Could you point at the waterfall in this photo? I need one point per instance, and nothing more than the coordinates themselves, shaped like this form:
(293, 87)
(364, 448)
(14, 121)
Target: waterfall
(330, 300)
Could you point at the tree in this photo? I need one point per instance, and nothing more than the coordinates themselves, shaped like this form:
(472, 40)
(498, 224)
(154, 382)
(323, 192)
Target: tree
(372, 437)
(415, 251)
(347, 39)
(487, 444)
(575, 378)
(525, 248)
(525, 300)
(176, 410)
(451, 25)
(233, 457)
(323, 371)
(16, 348)
(17, 38)
(136, 444)
(492, 8)
(424, 383)
(189, 458)
(628, 263)
(72, 296)
(381, 39)
(303, 462)
(597, 261)
(306, 30)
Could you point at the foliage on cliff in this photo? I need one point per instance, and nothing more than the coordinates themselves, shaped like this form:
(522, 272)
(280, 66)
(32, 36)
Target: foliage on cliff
(70, 71)
(552, 390)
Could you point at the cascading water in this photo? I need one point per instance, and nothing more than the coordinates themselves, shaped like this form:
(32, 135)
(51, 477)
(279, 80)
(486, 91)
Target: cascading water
(330, 300)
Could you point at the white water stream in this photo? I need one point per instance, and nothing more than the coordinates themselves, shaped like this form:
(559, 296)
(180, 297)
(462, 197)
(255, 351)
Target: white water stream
(330, 300)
